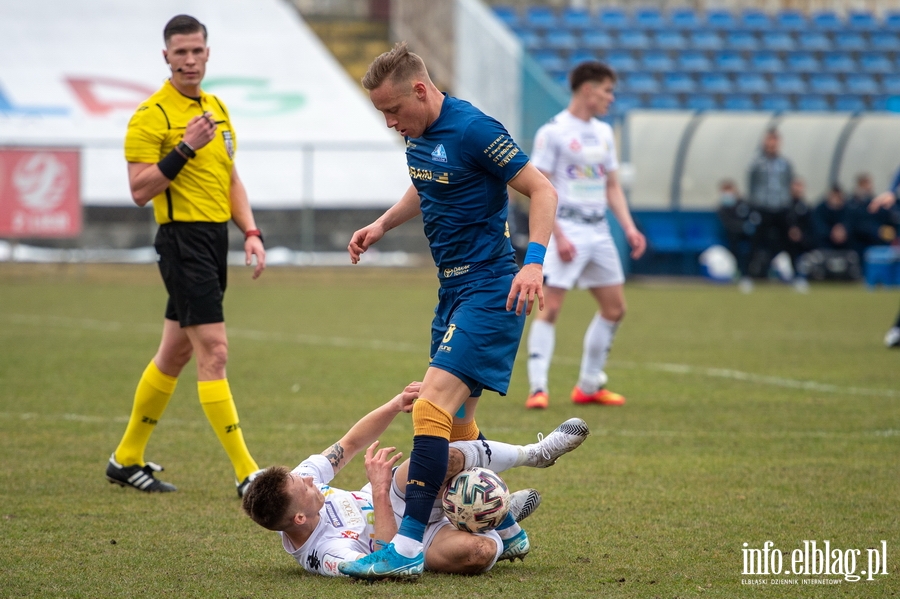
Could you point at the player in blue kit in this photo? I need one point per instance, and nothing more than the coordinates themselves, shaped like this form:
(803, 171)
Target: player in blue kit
(460, 163)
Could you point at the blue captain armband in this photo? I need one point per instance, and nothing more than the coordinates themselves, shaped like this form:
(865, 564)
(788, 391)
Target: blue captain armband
(535, 253)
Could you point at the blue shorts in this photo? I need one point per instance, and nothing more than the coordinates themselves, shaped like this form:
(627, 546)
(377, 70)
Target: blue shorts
(474, 337)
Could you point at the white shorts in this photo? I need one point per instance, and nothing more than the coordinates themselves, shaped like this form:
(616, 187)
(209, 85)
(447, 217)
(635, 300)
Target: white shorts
(436, 521)
(596, 262)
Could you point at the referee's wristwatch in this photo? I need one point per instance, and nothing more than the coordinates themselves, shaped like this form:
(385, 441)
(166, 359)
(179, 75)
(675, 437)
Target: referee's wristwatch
(254, 233)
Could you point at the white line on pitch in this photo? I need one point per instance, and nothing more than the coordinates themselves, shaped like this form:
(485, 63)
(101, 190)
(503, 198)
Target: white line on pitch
(374, 344)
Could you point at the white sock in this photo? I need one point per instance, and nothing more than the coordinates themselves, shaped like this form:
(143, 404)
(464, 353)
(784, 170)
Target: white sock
(492, 455)
(541, 340)
(597, 340)
(407, 547)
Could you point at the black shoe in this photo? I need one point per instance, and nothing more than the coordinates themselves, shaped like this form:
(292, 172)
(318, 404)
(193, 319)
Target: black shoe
(242, 486)
(139, 477)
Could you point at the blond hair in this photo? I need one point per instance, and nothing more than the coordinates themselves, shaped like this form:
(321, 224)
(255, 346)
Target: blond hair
(398, 65)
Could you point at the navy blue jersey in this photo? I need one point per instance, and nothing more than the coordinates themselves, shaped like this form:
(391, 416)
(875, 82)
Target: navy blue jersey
(460, 167)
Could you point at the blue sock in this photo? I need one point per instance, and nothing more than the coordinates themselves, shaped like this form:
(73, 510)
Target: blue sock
(427, 467)
(507, 522)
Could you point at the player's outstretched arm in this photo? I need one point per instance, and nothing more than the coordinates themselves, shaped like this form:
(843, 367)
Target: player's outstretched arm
(367, 430)
(619, 206)
(379, 470)
(528, 284)
(407, 208)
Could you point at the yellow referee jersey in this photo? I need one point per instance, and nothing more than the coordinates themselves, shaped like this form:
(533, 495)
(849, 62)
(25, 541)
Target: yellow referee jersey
(202, 190)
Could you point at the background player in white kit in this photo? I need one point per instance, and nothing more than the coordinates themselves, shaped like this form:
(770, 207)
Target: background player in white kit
(577, 152)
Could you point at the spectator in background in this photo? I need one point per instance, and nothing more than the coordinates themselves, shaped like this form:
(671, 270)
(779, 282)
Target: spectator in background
(735, 215)
(868, 228)
(800, 231)
(769, 195)
(832, 219)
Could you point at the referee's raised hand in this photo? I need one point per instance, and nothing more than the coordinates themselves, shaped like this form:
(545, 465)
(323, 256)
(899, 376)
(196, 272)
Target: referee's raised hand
(200, 131)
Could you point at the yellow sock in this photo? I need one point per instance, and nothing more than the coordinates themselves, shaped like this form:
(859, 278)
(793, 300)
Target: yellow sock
(150, 400)
(464, 432)
(218, 404)
(429, 419)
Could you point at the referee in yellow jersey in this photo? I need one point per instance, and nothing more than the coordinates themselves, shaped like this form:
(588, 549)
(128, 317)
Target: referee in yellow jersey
(180, 150)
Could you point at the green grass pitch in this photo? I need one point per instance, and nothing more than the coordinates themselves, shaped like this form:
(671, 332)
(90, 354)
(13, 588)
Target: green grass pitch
(773, 416)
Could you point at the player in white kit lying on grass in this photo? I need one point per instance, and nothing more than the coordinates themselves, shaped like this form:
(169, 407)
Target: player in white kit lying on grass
(322, 526)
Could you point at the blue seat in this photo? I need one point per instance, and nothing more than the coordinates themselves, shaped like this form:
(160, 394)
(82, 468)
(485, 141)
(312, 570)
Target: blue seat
(648, 18)
(741, 40)
(639, 83)
(578, 19)
(777, 41)
(684, 18)
(729, 61)
(633, 39)
(788, 83)
(531, 40)
(890, 84)
(790, 20)
(755, 19)
(751, 83)
(597, 40)
(720, 19)
(621, 60)
(862, 20)
(813, 41)
(625, 102)
(561, 78)
(507, 14)
(693, 61)
(850, 103)
(561, 39)
(825, 83)
(766, 62)
(550, 60)
(879, 103)
(839, 62)
(803, 62)
(775, 102)
(701, 102)
(875, 62)
(581, 55)
(826, 20)
(861, 83)
(884, 41)
(705, 39)
(540, 17)
(716, 83)
(669, 39)
(738, 102)
(657, 61)
(849, 41)
(678, 83)
(891, 20)
(613, 18)
(664, 102)
(813, 103)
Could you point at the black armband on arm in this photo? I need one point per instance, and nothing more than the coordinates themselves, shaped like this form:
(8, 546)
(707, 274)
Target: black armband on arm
(172, 164)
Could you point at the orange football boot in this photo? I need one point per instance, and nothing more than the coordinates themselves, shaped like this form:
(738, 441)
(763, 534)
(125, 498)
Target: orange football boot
(537, 401)
(603, 397)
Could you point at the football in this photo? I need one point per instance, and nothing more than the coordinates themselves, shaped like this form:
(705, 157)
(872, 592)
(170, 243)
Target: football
(476, 500)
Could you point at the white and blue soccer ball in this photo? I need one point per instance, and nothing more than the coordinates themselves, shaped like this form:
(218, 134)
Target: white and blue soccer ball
(476, 500)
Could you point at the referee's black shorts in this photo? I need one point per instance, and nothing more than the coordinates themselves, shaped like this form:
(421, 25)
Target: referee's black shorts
(193, 262)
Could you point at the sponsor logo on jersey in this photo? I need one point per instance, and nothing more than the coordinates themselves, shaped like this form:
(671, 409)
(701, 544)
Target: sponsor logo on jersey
(423, 174)
(410, 145)
(456, 271)
(350, 512)
(585, 171)
(502, 150)
(574, 145)
(349, 534)
(439, 154)
(333, 515)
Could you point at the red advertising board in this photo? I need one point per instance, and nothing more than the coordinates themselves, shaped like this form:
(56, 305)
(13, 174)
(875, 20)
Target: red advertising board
(40, 193)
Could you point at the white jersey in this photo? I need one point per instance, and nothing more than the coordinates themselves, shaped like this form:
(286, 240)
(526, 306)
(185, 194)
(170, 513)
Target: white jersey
(578, 155)
(346, 523)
